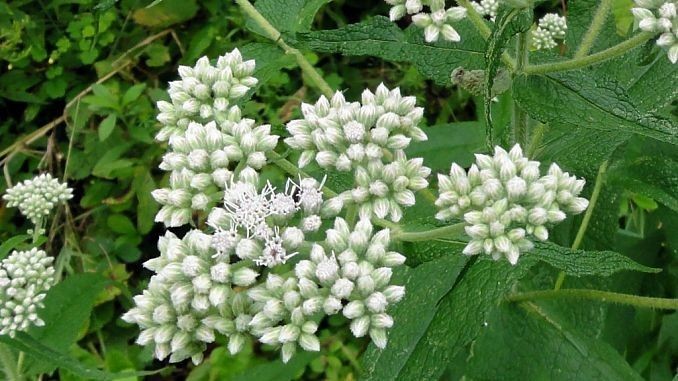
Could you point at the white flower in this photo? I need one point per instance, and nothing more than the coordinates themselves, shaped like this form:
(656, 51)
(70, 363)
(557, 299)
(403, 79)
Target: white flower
(486, 7)
(504, 202)
(551, 28)
(659, 16)
(37, 197)
(25, 277)
(439, 22)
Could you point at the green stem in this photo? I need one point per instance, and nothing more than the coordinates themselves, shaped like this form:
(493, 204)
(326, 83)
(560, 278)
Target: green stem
(600, 179)
(20, 363)
(8, 364)
(601, 56)
(481, 26)
(594, 29)
(597, 295)
(520, 127)
(274, 35)
(427, 235)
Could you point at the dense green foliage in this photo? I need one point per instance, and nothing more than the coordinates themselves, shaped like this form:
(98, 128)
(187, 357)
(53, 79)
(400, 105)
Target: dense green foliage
(78, 86)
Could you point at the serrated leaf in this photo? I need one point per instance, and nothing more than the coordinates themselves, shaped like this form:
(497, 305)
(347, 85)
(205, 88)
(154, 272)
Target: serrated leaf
(529, 344)
(586, 263)
(292, 16)
(67, 309)
(460, 316)
(426, 285)
(379, 37)
(591, 102)
(106, 127)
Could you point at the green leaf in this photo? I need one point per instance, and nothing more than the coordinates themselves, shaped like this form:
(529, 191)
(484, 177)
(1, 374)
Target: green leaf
(270, 61)
(577, 99)
(526, 343)
(277, 370)
(448, 143)
(426, 285)
(38, 350)
(121, 224)
(106, 127)
(586, 263)
(12, 243)
(379, 37)
(143, 184)
(166, 13)
(158, 55)
(67, 309)
(133, 93)
(459, 317)
(292, 16)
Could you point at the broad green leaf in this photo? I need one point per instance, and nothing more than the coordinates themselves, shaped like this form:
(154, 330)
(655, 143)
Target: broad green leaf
(270, 61)
(460, 316)
(277, 370)
(578, 99)
(290, 16)
(526, 343)
(143, 184)
(579, 16)
(67, 309)
(38, 350)
(12, 243)
(106, 127)
(166, 13)
(448, 143)
(584, 263)
(426, 285)
(381, 38)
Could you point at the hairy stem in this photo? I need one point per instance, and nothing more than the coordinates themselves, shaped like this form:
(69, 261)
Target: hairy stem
(484, 30)
(600, 179)
(597, 295)
(520, 127)
(455, 230)
(595, 58)
(594, 29)
(274, 35)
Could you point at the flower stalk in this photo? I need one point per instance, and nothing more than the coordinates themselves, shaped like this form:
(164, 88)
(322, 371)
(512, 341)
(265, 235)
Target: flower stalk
(597, 295)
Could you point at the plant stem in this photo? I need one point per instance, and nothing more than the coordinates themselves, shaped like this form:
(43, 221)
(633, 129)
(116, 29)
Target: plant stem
(594, 29)
(427, 235)
(274, 35)
(484, 30)
(598, 295)
(520, 127)
(8, 364)
(601, 56)
(292, 169)
(20, 363)
(600, 179)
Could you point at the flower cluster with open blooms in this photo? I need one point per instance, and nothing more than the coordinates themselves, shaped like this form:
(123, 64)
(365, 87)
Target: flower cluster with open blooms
(265, 268)
(659, 16)
(550, 28)
(505, 202)
(437, 21)
(37, 197)
(367, 138)
(25, 277)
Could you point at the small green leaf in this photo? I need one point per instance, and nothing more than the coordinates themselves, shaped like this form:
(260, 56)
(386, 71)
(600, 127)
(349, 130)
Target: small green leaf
(121, 224)
(12, 243)
(133, 93)
(165, 13)
(106, 127)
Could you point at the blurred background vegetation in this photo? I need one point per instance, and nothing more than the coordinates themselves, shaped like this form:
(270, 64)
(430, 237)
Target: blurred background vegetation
(78, 84)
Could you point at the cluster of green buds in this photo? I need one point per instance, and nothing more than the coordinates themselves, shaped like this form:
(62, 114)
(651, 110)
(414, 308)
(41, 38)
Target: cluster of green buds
(551, 28)
(25, 277)
(437, 21)
(367, 138)
(505, 201)
(245, 277)
(659, 16)
(37, 197)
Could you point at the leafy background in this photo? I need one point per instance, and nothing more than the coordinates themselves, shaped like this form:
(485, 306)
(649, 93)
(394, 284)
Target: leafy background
(78, 83)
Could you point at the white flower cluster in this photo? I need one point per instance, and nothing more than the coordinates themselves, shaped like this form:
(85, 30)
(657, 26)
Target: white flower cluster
(36, 197)
(205, 93)
(25, 277)
(368, 138)
(486, 7)
(659, 16)
(233, 281)
(504, 201)
(437, 21)
(209, 138)
(551, 28)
